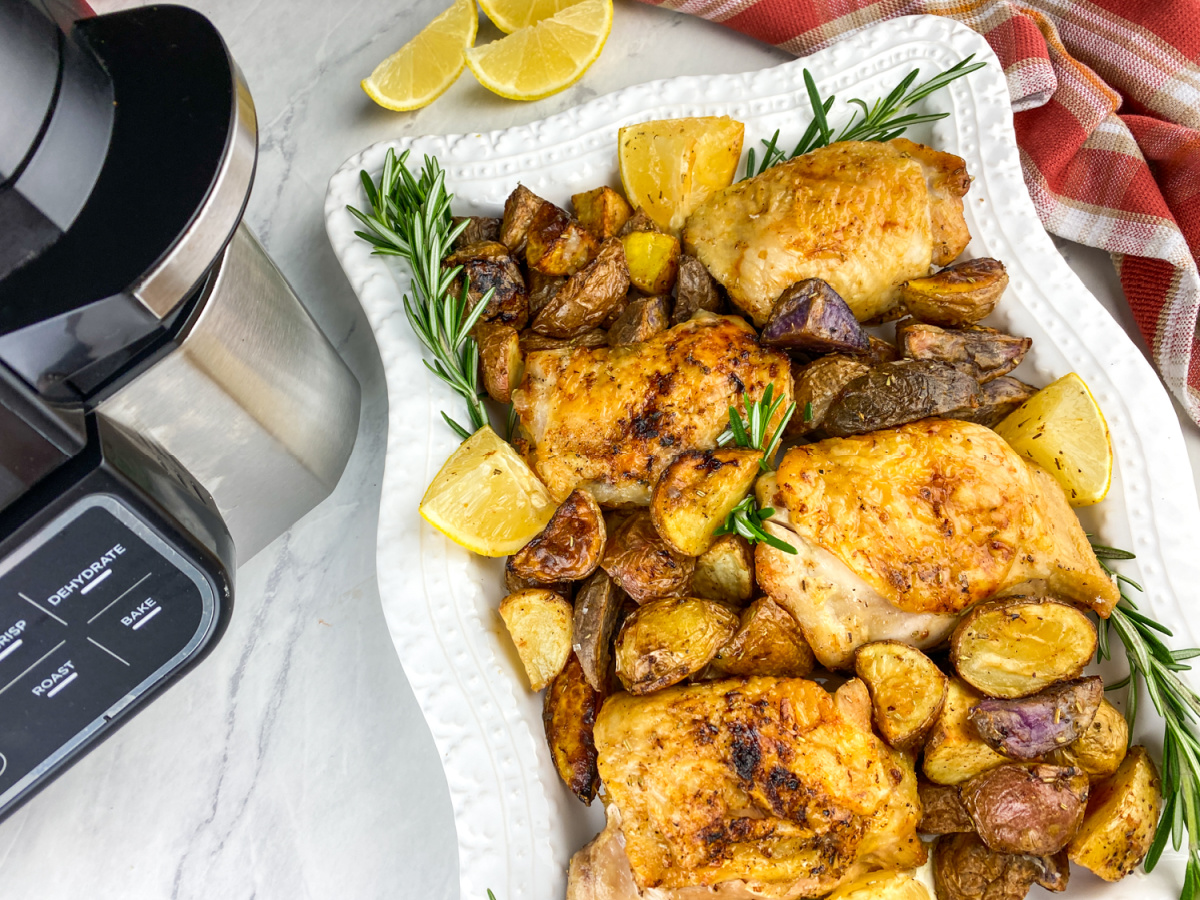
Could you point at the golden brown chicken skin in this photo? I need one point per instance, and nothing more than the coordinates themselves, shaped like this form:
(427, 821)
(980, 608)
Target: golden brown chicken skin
(862, 215)
(936, 516)
(610, 420)
(770, 784)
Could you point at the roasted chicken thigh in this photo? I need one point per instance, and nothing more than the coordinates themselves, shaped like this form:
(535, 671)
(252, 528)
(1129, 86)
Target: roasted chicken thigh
(610, 420)
(899, 531)
(861, 215)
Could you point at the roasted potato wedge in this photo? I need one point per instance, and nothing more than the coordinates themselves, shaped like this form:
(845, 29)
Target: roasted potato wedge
(891, 885)
(556, 244)
(597, 606)
(488, 266)
(985, 352)
(1034, 809)
(907, 690)
(479, 228)
(539, 623)
(725, 572)
(643, 563)
(568, 714)
(954, 753)
(664, 641)
(569, 548)
(942, 810)
(695, 289)
(1121, 818)
(603, 211)
(653, 260)
(519, 209)
(997, 399)
(811, 316)
(500, 358)
(817, 385)
(895, 393)
(1100, 750)
(1031, 727)
(697, 491)
(961, 294)
(542, 289)
(1017, 646)
(641, 320)
(768, 642)
(588, 296)
(589, 340)
(965, 868)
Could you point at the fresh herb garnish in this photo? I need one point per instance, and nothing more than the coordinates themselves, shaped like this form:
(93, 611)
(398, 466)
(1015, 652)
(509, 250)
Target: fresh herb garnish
(1152, 663)
(751, 432)
(880, 121)
(410, 218)
(746, 518)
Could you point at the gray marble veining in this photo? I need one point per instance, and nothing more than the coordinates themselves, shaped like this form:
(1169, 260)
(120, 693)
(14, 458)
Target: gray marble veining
(293, 762)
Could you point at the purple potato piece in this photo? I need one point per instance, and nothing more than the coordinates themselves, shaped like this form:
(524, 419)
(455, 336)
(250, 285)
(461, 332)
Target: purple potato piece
(695, 289)
(815, 387)
(899, 392)
(1034, 726)
(989, 352)
(479, 229)
(811, 316)
(998, 398)
(641, 320)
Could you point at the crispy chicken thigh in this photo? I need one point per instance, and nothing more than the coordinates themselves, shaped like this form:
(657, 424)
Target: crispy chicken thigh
(900, 531)
(762, 787)
(863, 216)
(610, 420)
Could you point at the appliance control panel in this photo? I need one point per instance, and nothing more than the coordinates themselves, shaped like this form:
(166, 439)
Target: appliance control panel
(95, 610)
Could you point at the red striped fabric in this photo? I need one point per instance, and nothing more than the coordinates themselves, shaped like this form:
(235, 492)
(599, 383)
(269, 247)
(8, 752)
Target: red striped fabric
(1106, 95)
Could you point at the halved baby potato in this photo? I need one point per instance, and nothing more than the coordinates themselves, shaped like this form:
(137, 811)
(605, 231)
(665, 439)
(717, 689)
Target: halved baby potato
(958, 295)
(568, 548)
(539, 623)
(664, 641)
(907, 690)
(725, 571)
(1121, 818)
(697, 491)
(768, 642)
(643, 563)
(1101, 749)
(1016, 646)
(954, 753)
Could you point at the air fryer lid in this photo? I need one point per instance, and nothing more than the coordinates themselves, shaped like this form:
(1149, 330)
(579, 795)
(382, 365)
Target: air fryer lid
(89, 307)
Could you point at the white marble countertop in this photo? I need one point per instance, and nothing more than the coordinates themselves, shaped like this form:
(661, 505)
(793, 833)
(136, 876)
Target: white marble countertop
(293, 763)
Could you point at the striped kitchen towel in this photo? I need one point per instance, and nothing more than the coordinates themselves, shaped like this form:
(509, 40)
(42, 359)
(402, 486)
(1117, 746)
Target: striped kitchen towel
(1106, 97)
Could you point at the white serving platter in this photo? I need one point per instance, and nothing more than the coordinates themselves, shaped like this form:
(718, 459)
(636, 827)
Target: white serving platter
(517, 825)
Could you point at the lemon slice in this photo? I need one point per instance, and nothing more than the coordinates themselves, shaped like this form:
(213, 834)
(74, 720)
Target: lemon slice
(671, 166)
(1062, 429)
(539, 60)
(421, 71)
(511, 15)
(486, 499)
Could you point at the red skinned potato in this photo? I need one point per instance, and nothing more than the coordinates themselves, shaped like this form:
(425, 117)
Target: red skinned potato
(1033, 809)
(1031, 727)
(811, 316)
(964, 868)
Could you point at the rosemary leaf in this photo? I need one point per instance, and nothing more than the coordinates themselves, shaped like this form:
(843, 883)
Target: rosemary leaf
(410, 218)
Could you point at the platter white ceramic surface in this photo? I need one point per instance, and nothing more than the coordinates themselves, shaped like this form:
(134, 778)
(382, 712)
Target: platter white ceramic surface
(517, 825)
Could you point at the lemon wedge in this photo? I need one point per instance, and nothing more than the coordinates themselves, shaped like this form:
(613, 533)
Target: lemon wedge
(1062, 429)
(671, 166)
(544, 58)
(485, 497)
(421, 71)
(513, 15)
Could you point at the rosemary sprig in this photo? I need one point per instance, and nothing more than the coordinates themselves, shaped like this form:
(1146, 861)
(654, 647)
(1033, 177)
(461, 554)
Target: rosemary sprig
(880, 121)
(746, 518)
(1156, 666)
(751, 432)
(410, 218)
